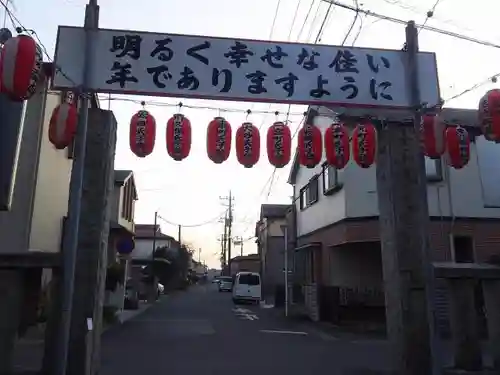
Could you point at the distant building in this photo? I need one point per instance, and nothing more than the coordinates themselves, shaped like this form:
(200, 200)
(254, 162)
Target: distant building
(270, 235)
(250, 262)
(149, 237)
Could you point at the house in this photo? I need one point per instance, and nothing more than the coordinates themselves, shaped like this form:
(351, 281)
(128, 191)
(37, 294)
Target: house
(250, 263)
(337, 251)
(122, 230)
(31, 230)
(270, 234)
(149, 237)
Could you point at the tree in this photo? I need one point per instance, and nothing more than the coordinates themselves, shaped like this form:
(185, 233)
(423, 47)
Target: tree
(171, 265)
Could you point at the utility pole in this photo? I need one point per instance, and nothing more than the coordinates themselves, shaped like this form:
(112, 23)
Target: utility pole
(228, 227)
(222, 251)
(179, 237)
(199, 255)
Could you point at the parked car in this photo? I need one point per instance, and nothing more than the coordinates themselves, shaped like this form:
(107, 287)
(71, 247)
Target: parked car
(225, 284)
(247, 287)
(216, 280)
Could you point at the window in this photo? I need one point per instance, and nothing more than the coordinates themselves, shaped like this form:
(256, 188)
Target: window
(249, 279)
(331, 179)
(309, 193)
(464, 249)
(303, 197)
(433, 170)
(313, 190)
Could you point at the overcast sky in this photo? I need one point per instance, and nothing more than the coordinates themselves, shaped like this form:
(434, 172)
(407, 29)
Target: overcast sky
(187, 192)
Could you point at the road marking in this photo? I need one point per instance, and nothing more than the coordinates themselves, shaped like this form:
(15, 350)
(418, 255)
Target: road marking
(239, 310)
(284, 332)
(248, 316)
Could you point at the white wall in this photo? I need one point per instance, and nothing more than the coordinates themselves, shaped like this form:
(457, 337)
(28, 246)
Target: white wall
(328, 209)
(116, 208)
(52, 189)
(466, 190)
(474, 189)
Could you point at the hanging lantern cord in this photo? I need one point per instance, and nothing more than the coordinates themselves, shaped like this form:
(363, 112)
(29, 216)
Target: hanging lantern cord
(143, 104)
(249, 112)
(276, 114)
(180, 107)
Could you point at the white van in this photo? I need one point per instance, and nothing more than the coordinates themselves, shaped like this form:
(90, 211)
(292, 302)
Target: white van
(247, 287)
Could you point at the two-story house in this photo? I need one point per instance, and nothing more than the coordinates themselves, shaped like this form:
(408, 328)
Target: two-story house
(122, 228)
(123, 201)
(270, 235)
(31, 230)
(338, 256)
(149, 237)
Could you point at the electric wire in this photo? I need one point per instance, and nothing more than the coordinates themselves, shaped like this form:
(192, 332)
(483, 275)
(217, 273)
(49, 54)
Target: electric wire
(430, 14)
(493, 78)
(213, 220)
(198, 107)
(424, 27)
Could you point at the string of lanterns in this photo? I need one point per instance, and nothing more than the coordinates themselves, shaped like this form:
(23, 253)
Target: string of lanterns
(21, 61)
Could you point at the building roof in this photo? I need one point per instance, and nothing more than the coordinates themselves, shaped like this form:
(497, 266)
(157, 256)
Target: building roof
(122, 175)
(147, 231)
(274, 210)
(240, 258)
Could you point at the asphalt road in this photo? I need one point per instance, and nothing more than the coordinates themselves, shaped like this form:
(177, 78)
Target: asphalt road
(200, 331)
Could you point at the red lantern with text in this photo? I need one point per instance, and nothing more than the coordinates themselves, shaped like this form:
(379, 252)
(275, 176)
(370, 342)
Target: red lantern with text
(219, 140)
(489, 115)
(62, 125)
(142, 133)
(279, 144)
(21, 61)
(458, 146)
(337, 148)
(309, 146)
(432, 132)
(178, 137)
(247, 145)
(364, 145)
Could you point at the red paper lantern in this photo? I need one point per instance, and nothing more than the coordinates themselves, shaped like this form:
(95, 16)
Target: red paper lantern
(489, 115)
(458, 146)
(432, 133)
(178, 137)
(219, 140)
(309, 146)
(247, 145)
(279, 144)
(337, 148)
(62, 125)
(21, 62)
(364, 145)
(142, 133)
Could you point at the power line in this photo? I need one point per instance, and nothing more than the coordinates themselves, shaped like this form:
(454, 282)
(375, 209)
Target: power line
(430, 13)
(473, 87)
(192, 225)
(425, 27)
(182, 105)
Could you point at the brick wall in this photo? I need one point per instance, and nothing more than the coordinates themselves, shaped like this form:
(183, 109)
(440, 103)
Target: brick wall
(485, 233)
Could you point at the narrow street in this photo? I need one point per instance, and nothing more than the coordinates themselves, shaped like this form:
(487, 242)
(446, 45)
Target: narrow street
(201, 331)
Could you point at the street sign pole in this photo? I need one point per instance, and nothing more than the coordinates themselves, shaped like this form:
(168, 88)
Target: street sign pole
(69, 254)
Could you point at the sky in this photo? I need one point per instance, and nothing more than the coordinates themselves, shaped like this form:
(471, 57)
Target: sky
(188, 192)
